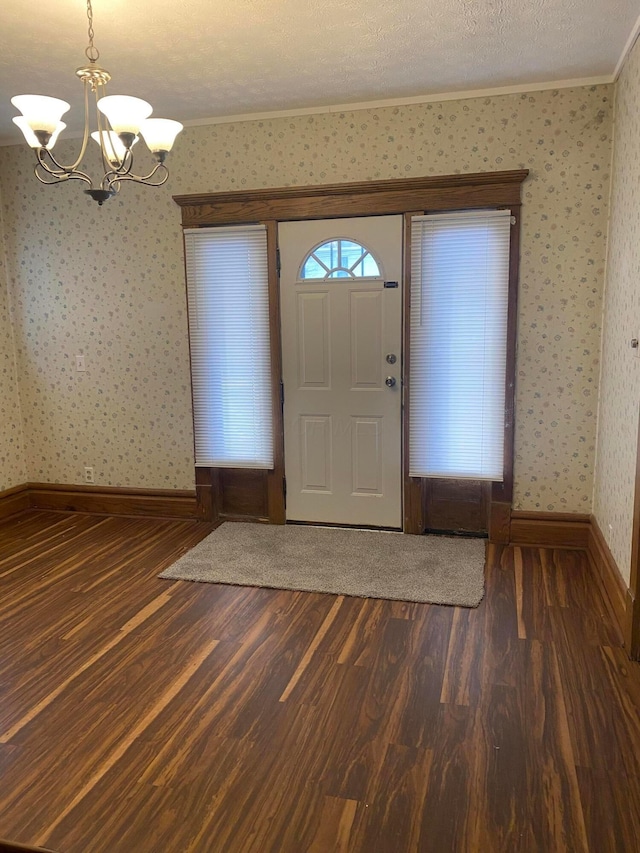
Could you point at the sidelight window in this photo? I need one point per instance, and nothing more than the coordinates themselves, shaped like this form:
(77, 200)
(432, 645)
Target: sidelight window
(458, 325)
(228, 290)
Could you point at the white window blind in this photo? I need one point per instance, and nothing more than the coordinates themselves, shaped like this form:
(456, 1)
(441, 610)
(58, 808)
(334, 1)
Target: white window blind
(459, 299)
(228, 290)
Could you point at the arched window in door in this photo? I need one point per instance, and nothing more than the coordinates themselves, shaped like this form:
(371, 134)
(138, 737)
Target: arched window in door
(339, 258)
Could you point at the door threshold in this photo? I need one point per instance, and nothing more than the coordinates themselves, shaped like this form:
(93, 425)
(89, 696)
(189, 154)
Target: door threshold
(463, 534)
(339, 526)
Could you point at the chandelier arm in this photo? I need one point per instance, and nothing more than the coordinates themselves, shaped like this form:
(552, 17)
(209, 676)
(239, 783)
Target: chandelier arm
(113, 178)
(49, 183)
(74, 166)
(59, 176)
(56, 180)
(126, 165)
(85, 137)
(60, 168)
(62, 173)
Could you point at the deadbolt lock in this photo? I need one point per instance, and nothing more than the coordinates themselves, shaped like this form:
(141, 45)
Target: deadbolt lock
(391, 359)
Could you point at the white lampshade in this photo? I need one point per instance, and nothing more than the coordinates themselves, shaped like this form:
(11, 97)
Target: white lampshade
(41, 112)
(114, 149)
(32, 139)
(125, 114)
(160, 133)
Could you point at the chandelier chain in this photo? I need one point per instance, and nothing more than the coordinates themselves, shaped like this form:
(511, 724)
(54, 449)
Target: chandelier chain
(92, 53)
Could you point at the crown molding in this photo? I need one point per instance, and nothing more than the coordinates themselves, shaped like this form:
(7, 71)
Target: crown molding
(633, 37)
(520, 88)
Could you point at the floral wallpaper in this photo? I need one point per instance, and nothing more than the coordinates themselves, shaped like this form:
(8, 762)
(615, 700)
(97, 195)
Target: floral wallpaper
(12, 464)
(620, 380)
(109, 283)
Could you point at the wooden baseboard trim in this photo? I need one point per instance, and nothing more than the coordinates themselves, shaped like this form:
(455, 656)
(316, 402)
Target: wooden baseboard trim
(549, 529)
(14, 500)
(106, 500)
(607, 575)
(632, 626)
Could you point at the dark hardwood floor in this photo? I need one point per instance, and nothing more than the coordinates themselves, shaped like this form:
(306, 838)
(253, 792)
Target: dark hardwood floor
(139, 715)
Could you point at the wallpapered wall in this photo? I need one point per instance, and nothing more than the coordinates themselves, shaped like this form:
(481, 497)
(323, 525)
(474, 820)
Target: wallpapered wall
(109, 283)
(620, 381)
(12, 464)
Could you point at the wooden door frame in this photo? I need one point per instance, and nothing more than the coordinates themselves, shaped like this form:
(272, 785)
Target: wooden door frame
(247, 494)
(632, 608)
(382, 236)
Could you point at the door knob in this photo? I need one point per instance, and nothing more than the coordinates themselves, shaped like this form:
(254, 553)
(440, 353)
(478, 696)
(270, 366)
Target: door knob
(390, 381)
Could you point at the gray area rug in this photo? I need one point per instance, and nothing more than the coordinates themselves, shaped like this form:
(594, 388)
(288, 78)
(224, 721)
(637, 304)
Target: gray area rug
(365, 563)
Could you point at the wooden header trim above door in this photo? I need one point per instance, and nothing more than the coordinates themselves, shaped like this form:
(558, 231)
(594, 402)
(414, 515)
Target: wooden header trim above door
(364, 198)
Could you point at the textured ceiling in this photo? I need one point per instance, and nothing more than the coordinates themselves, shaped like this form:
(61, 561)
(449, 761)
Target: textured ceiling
(195, 59)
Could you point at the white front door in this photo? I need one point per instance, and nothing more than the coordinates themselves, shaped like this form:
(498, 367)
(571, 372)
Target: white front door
(341, 349)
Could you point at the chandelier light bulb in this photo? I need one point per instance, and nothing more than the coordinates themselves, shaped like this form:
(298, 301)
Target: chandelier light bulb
(113, 147)
(125, 114)
(160, 134)
(32, 139)
(40, 112)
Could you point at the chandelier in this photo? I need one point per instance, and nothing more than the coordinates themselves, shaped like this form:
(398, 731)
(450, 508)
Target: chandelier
(121, 120)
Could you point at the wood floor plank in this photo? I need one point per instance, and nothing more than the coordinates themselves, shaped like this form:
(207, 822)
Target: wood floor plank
(392, 818)
(612, 822)
(140, 714)
(501, 658)
(445, 827)
(334, 828)
(500, 812)
(589, 697)
(420, 687)
(461, 678)
(308, 655)
(540, 579)
(378, 717)
(553, 787)
(625, 693)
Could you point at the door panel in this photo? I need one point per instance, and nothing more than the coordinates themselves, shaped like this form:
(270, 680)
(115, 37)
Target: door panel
(341, 421)
(314, 342)
(366, 453)
(316, 453)
(367, 360)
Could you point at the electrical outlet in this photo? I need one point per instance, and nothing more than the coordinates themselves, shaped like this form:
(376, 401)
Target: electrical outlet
(88, 474)
(80, 364)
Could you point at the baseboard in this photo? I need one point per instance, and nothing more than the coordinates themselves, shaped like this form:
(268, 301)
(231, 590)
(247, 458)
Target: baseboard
(106, 500)
(14, 500)
(99, 500)
(607, 575)
(549, 529)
